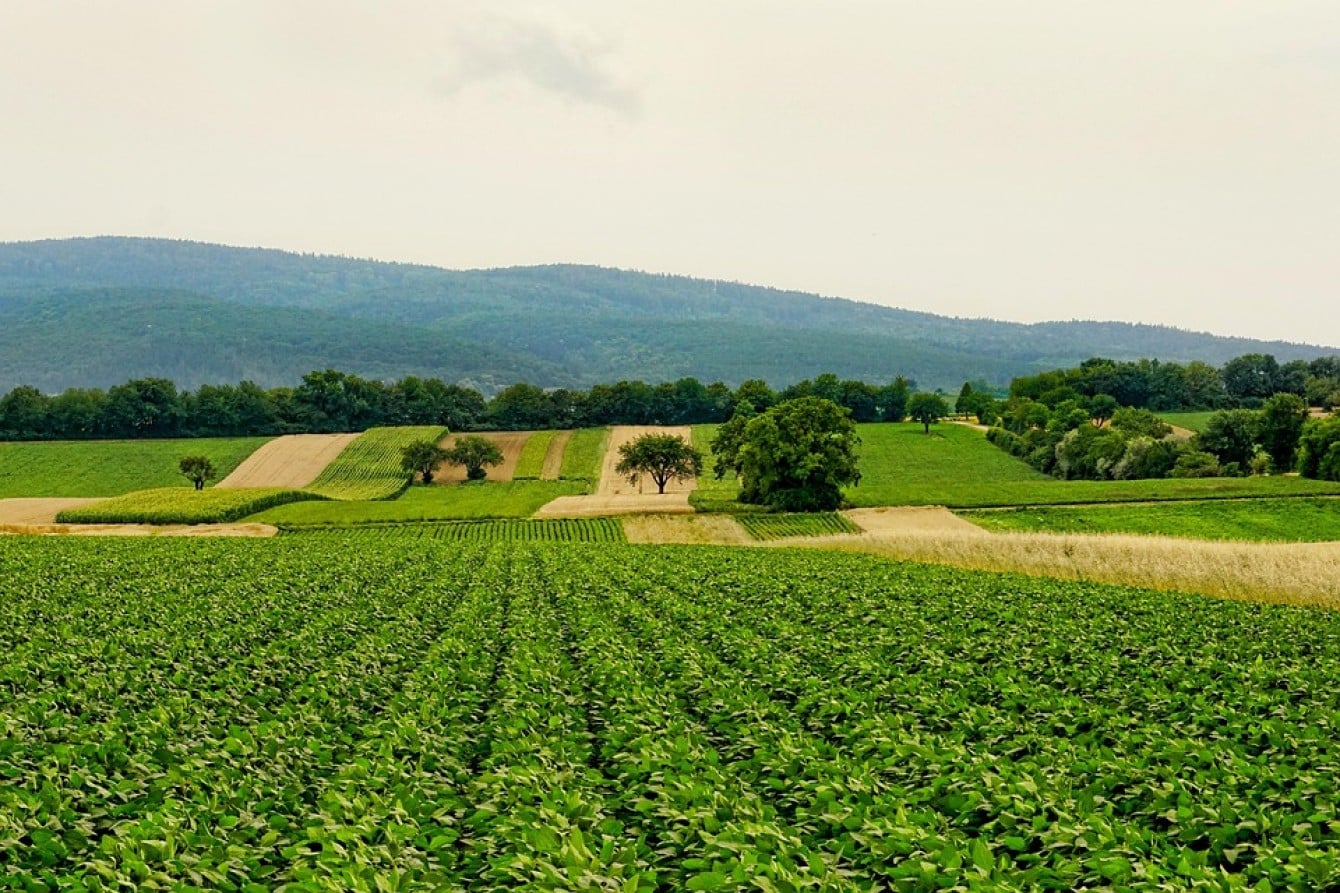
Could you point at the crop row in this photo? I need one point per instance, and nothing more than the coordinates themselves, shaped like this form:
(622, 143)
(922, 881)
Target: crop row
(763, 526)
(369, 467)
(331, 712)
(182, 505)
(557, 530)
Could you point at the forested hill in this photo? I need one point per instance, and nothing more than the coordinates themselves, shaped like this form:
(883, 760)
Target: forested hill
(95, 312)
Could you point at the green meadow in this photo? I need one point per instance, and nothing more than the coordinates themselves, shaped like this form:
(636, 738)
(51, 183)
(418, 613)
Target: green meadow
(111, 467)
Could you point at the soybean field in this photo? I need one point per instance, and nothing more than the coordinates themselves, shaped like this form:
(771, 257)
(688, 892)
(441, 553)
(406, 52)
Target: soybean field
(326, 712)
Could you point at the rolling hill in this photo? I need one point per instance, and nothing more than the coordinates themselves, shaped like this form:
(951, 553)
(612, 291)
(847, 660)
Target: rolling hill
(95, 312)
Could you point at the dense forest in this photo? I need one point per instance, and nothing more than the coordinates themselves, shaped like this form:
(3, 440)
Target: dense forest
(89, 313)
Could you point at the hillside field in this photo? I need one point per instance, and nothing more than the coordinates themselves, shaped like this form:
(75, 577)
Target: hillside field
(111, 467)
(1300, 520)
(475, 499)
(333, 711)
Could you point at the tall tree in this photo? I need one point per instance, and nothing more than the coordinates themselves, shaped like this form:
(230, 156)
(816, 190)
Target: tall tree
(662, 457)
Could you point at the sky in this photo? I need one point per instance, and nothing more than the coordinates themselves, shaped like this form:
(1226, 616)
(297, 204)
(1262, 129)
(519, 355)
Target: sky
(1172, 162)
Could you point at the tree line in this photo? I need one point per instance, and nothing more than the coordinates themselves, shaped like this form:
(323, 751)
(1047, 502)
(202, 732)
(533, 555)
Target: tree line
(330, 400)
(1098, 421)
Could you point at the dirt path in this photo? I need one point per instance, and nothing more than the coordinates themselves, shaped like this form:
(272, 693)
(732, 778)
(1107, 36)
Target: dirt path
(553, 457)
(510, 443)
(293, 461)
(238, 530)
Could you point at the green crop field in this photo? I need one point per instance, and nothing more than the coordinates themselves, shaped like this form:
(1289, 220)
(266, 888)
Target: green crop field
(1192, 421)
(341, 713)
(439, 502)
(584, 455)
(183, 505)
(369, 467)
(531, 461)
(111, 467)
(1268, 520)
(774, 527)
(553, 530)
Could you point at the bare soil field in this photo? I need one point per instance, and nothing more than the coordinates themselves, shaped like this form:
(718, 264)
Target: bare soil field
(911, 519)
(508, 442)
(553, 457)
(614, 484)
(36, 511)
(240, 530)
(292, 461)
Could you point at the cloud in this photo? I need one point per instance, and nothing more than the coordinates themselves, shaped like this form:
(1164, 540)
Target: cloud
(576, 66)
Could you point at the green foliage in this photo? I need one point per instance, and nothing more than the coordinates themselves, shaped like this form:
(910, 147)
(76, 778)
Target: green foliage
(468, 500)
(183, 505)
(422, 457)
(927, 409)
(197, 470)
(1195, 464)
(556, 530)
(768, 526)
(1231, 435)
(584, 455)
(1101, 408)
(662, 457)
(1319, 449)
(370, 466)
(1263, 520)
(473, 452)
(1280, 425)
(352, 712)
(110, 467)
(530, 464)
(798, 455)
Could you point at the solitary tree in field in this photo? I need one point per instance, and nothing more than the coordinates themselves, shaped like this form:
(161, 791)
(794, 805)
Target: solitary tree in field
(474, 452)
(662, 457)
(422, 457)
(197, 469)
(797, 456)
(927, 409)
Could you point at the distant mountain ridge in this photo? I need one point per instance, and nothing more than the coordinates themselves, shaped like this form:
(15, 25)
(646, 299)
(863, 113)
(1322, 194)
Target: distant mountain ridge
(97, 311)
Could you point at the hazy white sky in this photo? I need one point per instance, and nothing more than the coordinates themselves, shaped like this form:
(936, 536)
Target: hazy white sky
(1174, 161)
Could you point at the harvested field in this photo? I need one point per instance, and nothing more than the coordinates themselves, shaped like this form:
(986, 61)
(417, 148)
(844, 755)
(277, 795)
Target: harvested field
(553, 458)
(917, 519)
(36, 510)
(291, 462)
(509, 442)
(689, 529)
(236, 530)
(630, 504)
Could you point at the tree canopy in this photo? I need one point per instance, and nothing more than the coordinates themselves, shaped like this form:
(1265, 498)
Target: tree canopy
(662, 457)
(422, 458)
(797, 456)
(197, 469)
(474, 452)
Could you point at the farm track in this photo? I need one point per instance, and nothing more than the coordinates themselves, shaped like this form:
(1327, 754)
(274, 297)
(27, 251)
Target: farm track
(553, 457)
(292, 461)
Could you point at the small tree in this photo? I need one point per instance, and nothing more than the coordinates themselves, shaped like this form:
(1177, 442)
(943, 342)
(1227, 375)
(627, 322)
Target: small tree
(474, 452)
(197, 469)
(1101, 408)
(422, 458)
(927, 409)
(663, 457)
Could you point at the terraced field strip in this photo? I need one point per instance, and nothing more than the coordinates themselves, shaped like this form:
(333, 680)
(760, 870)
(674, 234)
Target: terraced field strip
(509, 443)
(530, 465)
(782, 526)
(291, 462)
(572, 530)
(553, 457)
(90, 468)
(182, 505)
(369, 467)
(353, 712)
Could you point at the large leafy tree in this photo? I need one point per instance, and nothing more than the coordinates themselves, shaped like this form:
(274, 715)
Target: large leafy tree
(1231, 436)
(662, 457)
(474, 452)
(798, 455)
(422, 458)
(1281, 422)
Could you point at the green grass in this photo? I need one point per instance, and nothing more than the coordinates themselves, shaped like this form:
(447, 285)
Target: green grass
(1193, 421)
(440, 502)
(369, 467)
(781, 526)
(1265, 520)
(182, 505)
(584, 455)
(549, 530)
(111, 467)
(531, 462)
